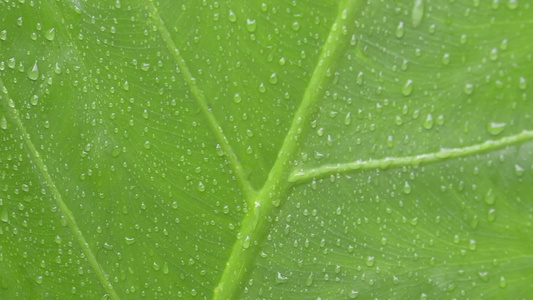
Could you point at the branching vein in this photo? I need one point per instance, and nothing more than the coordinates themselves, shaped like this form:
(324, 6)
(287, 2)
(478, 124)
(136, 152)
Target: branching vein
(304, 175)
(255, 224)
(199, 96)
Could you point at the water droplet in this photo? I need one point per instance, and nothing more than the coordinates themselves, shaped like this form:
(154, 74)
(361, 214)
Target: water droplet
(522, 84)
(503, 282)
(490, 197)
(359, 79)
(273, 78)
(446, 59)
(145, 114)
(370, 260)
(493, 54)
(353, 294)
(219, 150)
(33, 73)
(126, 86)
(246, 242)
(281, 279)
(147, 144)
(512, 4)
(165, 268)
(491, 215)
(483, 275)
(34, 100)
(518, 170)
(468, 89)
(251, 25)
(407, 188)
(262, 88)
(428, 122)
(129, 240)
(417, 13)
(156, 266)
(400, 30)
(201, 186)
(407, 88)
(463, 39)
(495, 128)
(3, 35)
(50, 34)
(237, 98)
(3, 123)
(232, 17)
(309, 280)
(295, 26)
(472, 245)
(347, 119)
(57, 69)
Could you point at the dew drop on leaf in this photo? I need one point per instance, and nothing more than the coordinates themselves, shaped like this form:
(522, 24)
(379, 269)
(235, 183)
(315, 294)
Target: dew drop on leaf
(50, 34)
(400, 30)
(495, 128)
(418, 12)
(33, 73)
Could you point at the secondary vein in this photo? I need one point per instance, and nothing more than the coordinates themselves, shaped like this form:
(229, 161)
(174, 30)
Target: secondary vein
(256, 223)
(248, 190)
(56, 195)
(304, 175)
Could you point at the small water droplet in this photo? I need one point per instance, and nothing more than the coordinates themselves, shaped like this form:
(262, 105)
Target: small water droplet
(428, 122)
(281, 279)
(407, 88)
(219, 150)
(34, 100)
(201, 186)
(237, 98)
(469, 88)
(407, 188)
(165, 268)
(3, 35)
(512, 4)
(370, 260)
(472, 245)
(446, 59)
(57, 69)
(232, 17)
(347, 119)
(522, 84)
(493, 54)
(50, 34)
(246, 242)
(273, 78)
(129, 240)
(295, 26)
(3, 123)
(490, 197)
(491, 215)
(251, 25)
(400, 30)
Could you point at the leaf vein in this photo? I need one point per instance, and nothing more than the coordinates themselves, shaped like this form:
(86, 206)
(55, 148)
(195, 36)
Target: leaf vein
(65, 211)
(248, 190)
(305, 175)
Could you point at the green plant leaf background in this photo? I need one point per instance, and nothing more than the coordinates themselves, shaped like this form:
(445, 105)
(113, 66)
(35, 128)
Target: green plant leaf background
(266, 149)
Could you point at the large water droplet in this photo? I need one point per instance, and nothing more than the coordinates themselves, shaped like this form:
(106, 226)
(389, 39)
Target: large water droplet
(495, 128)
(33, 73)
(418, 12)
(251, 25)
(400, 30)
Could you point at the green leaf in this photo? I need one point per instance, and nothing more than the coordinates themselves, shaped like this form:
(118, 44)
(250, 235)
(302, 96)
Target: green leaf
(264, 150)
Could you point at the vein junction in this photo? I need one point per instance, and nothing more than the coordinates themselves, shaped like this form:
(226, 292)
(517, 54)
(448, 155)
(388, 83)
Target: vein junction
(304, 175)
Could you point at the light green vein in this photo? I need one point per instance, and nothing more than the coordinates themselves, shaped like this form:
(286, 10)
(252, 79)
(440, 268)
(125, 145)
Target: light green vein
(13, 113)
(248, 190)
(304, 175)
(256, 223)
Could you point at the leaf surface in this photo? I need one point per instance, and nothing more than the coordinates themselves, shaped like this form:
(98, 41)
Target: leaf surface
(281, 149)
